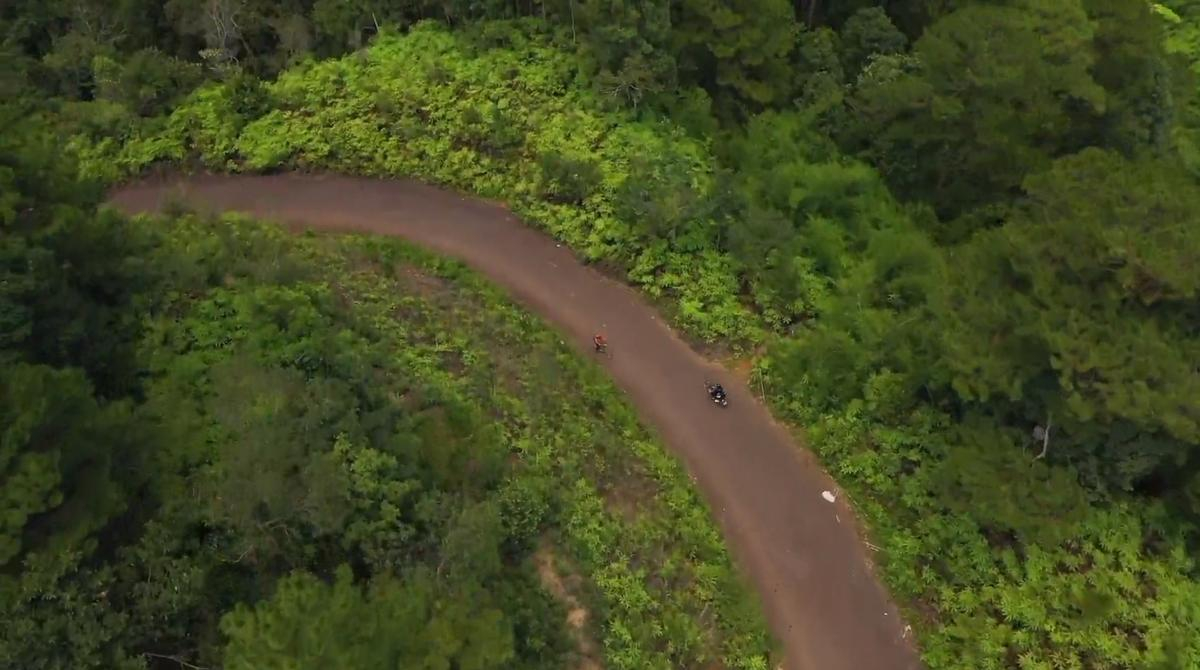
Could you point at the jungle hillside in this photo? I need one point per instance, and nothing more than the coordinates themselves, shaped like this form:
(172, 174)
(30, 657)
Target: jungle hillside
(955, 241)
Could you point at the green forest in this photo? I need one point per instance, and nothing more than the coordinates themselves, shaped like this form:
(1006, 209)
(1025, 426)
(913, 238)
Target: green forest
(227, 445)
(953, 236)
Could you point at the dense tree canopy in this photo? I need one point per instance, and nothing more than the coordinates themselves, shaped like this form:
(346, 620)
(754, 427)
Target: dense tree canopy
(1099, 241)
(993, 94)
(308, 623)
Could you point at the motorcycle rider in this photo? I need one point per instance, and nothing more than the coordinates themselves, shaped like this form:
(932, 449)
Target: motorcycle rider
(717, 393)
(600, 342)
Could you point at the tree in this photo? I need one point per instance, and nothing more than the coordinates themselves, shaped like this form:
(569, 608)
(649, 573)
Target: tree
(42, 412)
(626, 45)
(294, 33)
(986, 474)
(147, 83)
(807, 212)
(70, 281)
(661, 195)
(343, 24)
(67, 288)
(736, 49)
(471, 547)
(567, 179)
(1083, 306)
(913, 17)
(270, 472)
(867, 33)
(392, 624)
(71, 62)
(1145, 91)
(818, 73)
(995, 95)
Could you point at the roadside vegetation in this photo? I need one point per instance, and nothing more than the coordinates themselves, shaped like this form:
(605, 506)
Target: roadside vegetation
(961, 236)
(225, 444)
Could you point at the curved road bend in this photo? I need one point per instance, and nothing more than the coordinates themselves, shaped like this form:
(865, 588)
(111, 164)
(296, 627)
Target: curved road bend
(802, 553)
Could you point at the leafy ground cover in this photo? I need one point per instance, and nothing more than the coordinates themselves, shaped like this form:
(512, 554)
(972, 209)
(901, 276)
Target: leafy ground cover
(341, 430)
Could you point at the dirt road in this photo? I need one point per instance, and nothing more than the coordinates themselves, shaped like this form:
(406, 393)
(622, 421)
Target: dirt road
(801, 552)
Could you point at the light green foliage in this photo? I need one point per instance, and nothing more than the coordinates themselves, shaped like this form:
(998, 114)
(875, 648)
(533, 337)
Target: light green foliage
(210, 125)
(282, 459)
(207, 127)
(807, 210)
(589, 462)
(504, 123)
(398, 506)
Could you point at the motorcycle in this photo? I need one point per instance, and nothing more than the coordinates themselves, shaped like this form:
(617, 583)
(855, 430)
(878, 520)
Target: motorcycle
(718, 397)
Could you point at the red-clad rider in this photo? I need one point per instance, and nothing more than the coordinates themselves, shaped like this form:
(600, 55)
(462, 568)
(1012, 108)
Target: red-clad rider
(600, 342)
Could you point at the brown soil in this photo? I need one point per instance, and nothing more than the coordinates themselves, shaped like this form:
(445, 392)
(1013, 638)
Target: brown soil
(803, 554)
(578, 616)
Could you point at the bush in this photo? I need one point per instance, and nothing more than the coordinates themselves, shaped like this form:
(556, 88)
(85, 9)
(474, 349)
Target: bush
(507, 123)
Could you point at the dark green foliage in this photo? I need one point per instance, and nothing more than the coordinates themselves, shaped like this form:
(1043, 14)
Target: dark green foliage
(997, 90)
(866, 34)
(994, 95)
(51, 426)
(738, 50)
(69, 280)
(1100, 241)
(147, 83)
(636, 52)
(989, 476)
(273, 471)
(1144, 87)
(568, 180)
(818, 71)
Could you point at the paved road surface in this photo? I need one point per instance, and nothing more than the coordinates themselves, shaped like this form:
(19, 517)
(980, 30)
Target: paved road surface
(801, 552)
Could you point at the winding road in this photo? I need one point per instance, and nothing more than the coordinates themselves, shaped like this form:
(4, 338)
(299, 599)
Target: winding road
(802, 553)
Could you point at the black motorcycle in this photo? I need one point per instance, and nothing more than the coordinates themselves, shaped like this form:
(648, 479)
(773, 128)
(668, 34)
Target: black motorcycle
(716, 393)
